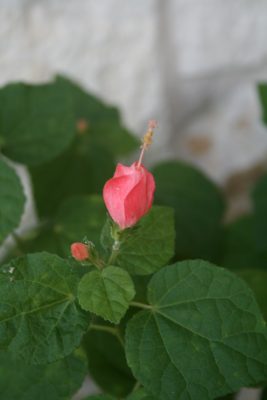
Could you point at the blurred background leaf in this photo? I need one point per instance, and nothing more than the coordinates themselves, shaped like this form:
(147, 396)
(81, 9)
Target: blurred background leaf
(11, 200)
(90, 159)
(199, 208)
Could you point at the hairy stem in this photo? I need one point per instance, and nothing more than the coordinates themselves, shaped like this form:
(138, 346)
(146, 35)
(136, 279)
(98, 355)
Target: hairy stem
(140, 305)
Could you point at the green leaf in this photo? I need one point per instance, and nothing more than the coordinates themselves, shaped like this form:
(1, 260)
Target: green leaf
(56, 381)
(11, 199)
(257, 281)
(76, 218)
(262, 90)
(140, 394)
(199, 209)
(36, 121)
(107, 363)
(260, 215)
(89, 161)
(104, 122)
(40, 320)
(82, 169)
(203, 337)
(150, 244)
(240, 248)
(106, 293)
(99, 397)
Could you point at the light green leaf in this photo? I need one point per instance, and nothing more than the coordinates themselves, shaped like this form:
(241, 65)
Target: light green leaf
(106, 293)
(40, 320)
(107, 363)
(36, 121)
(198, 206)
(150, 244)
(56, 381)
(203, 337)
(11, 200)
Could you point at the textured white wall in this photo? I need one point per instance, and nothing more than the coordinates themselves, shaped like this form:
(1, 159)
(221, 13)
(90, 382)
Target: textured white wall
(192, 64)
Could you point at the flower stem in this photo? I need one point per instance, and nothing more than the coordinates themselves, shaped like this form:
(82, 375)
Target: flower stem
(140, 305)
(114, 252)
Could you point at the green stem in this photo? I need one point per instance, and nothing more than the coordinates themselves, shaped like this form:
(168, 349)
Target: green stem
(114, 252)
(109, 329)
(140, 305)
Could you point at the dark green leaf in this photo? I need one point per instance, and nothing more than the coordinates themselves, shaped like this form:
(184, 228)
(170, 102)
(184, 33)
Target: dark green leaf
(104, 123)
(240, 248)
(106, 293)
(86, 165)
(140, 394)
(36, 121)
(56, 381)
(203, 337)
(11, 200)
(198, 206)
(257, 280)
(99, 397)
(262, 90)
(260, 218)
(107, 363)
(82, 169)
(77, 217)
(150, 244)
(40, 320)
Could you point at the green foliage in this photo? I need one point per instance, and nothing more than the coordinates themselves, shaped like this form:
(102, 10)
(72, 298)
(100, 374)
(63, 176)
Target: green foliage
(150, 244)
(40, 320)
(90, 159)
(76, 218)
(11, 200)
(198, 206)
(203, 337)
(99, 397)
(262, 90)
(107, 364)
(36, 121)
(260, 212)
(241, 249)
(140, 394)
(56, 381)
(106, 293)
(257, 280)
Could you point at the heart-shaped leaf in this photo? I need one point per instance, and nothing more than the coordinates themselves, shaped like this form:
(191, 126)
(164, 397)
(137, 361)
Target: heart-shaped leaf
(56, 381)
(36, 121)
(150, 244)
(203, 337)
(106, 293)
(40, 320)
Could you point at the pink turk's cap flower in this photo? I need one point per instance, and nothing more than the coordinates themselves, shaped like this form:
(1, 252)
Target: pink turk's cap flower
(129, 194)
(79, 251)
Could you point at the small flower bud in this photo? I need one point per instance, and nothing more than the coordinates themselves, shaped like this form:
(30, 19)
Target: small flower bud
(79, 251)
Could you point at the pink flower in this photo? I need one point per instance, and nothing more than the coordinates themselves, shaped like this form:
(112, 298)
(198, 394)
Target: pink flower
(129, 194)
(79, 251)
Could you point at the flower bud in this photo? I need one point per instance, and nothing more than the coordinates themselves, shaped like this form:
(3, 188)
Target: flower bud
(79, 251)
(129, 194)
